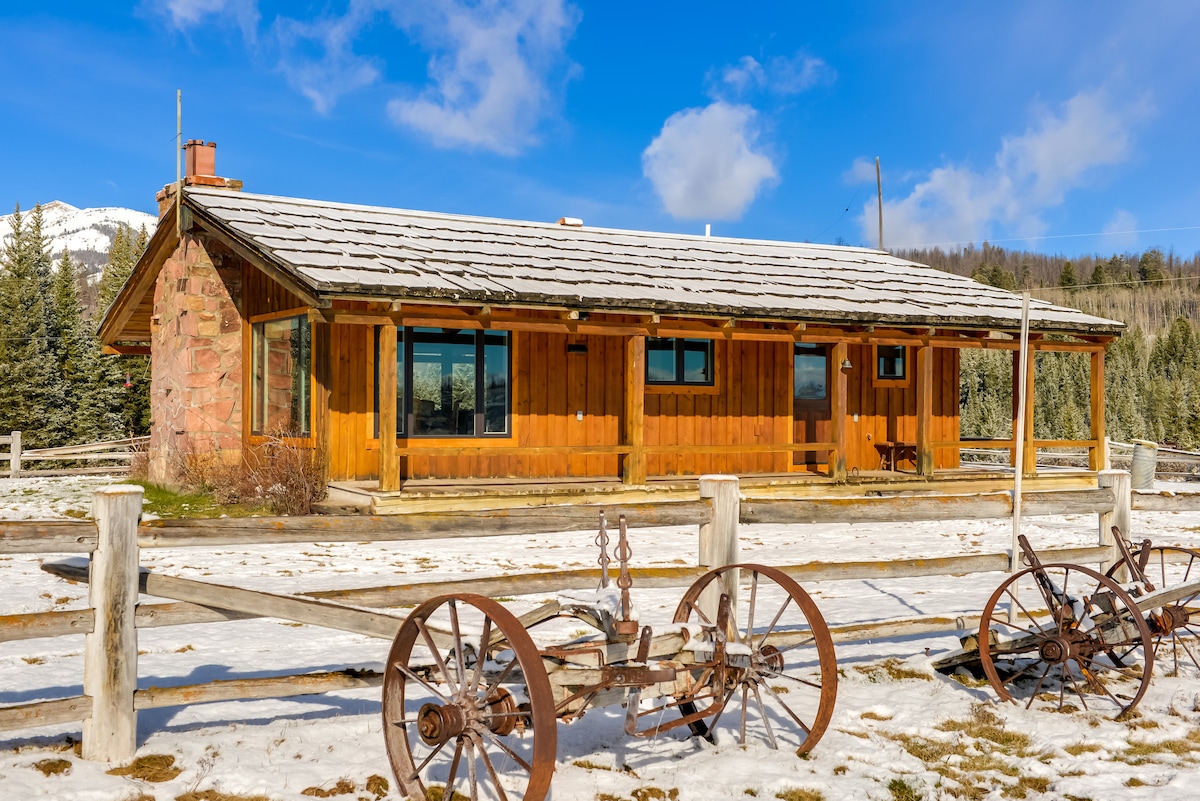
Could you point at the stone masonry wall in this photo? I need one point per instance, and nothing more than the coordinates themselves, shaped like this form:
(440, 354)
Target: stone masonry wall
(196, 367)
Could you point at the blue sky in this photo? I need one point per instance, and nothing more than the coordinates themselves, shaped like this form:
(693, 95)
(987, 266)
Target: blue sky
(1025, 123)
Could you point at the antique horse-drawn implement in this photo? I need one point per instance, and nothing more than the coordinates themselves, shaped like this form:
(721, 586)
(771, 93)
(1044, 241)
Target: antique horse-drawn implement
(1066, 634)
(470, 702)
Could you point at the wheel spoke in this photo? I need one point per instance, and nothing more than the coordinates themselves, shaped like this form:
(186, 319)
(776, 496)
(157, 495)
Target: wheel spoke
(472, 778)
(481, 655)
(404, 669)
(787, 709)
(503, 746)
(450, 779)
(775, 620)
(437, 656)
(491, 769)
(762, 711)
(458, 646)
(750, 611)
(436, 750)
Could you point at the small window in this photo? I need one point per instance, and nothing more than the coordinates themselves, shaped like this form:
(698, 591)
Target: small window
(890, 362)
(679, 361)
(281, 365)
(810, 372)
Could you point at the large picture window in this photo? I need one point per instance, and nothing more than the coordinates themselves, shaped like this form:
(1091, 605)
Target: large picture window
(281, 367)
(451, 382)
(679, 361)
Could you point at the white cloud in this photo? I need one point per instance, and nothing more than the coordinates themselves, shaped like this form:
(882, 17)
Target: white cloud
(703, 163)
(861, 171)
(490, 73)
(186, 14)
(781, 76)
(1121, 230)
(1031, 173)
(318, 57)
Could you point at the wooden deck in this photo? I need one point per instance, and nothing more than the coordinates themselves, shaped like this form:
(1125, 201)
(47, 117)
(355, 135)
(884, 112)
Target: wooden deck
(423, 495)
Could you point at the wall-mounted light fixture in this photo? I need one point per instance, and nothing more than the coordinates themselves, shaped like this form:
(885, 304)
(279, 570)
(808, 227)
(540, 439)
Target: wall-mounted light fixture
(846, 365)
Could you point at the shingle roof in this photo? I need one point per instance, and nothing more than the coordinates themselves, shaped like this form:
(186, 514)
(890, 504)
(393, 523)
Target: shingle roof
(338, 249)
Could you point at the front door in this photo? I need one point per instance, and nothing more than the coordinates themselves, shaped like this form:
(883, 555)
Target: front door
(810, 402)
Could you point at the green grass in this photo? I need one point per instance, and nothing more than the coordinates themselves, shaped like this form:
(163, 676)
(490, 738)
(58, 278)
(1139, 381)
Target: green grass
(170, 504)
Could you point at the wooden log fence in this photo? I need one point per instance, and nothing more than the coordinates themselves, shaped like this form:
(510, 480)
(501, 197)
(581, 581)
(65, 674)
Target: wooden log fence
(116, 450)
(109, 706)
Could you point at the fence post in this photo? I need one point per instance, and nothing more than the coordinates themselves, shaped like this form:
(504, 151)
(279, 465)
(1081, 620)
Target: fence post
(110, 651)
(1120, 483)
(14, 464)
(719, 536)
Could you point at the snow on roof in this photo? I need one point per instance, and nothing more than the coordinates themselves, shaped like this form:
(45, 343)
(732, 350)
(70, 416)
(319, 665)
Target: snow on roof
(343, 249)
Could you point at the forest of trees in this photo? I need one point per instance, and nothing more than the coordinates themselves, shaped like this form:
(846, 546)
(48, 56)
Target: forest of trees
(55, 385)
(1152, 373)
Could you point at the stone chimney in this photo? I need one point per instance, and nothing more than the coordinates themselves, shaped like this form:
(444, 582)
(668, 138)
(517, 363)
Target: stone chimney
(200, 169)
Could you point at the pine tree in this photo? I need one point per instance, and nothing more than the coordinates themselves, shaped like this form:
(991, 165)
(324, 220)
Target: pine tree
(31, 390)
(1151, 267)
(128, 374)
(1067, 279)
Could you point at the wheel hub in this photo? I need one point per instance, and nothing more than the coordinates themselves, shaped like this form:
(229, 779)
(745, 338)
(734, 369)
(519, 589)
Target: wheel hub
(1057, 650)
(770, 659)
(438, 723)
(1169, 618)
(501, 712)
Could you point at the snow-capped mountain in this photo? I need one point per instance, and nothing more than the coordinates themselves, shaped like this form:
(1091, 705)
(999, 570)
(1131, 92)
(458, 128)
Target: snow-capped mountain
(86, 233)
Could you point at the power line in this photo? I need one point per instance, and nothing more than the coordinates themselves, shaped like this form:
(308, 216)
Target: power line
(1056, 236)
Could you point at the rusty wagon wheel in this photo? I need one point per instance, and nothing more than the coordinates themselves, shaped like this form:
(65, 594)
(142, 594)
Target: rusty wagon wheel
(1075, 636)
(778, 672)
(1175, 629)
(467, 707)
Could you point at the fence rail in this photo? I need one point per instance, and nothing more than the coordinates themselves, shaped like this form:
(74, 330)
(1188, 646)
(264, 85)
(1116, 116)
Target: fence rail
(111, 700)
(116, 450)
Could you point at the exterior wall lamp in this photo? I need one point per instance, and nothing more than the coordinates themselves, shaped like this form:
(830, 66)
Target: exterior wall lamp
(846, 365)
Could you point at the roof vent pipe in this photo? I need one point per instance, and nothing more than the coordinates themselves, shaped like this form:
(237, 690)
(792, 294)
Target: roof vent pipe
(570, 222)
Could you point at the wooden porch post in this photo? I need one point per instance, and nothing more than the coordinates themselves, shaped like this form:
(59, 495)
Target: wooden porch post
(1096, 455)
(389, 456)
(837, 409)
(322, 381)
(925, 411)
(634, 466)
(1030, 454)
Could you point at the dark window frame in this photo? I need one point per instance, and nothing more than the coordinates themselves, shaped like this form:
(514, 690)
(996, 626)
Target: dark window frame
(680, 348)
(405, 418)
(812, 349)
(259, 422)
(894, 379)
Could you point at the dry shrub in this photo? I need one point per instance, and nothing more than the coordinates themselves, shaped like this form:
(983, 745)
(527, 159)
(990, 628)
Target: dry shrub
(377, 785)
(288, 476)
(280, 472)
(150, 768)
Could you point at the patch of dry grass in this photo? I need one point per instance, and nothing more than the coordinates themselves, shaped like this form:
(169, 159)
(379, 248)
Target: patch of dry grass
(53, 767)
(217, 795)
(1082, 748)
(869, 715)
(343, 787)
(800, 794)
(892, 669)
(655, 794)
(149, 768)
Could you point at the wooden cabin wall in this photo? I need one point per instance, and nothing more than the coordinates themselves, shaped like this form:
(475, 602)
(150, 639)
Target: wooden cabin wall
(352, 403)
(262, 295)
(889, 414)
(751, 406)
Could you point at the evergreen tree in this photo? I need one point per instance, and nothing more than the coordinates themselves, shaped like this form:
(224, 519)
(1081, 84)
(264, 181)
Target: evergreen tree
(1067, 279)
(1151, 267)
(1100, 275)
(31, 390)
(129, 374)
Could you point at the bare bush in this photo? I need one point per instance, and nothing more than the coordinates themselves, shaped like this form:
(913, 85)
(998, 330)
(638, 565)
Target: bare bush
(288, 476)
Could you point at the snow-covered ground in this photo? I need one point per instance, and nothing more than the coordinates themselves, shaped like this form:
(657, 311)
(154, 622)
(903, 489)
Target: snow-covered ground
(899, 729)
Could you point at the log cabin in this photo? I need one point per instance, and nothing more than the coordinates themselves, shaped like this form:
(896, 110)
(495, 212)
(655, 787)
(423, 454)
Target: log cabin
(414, 349)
